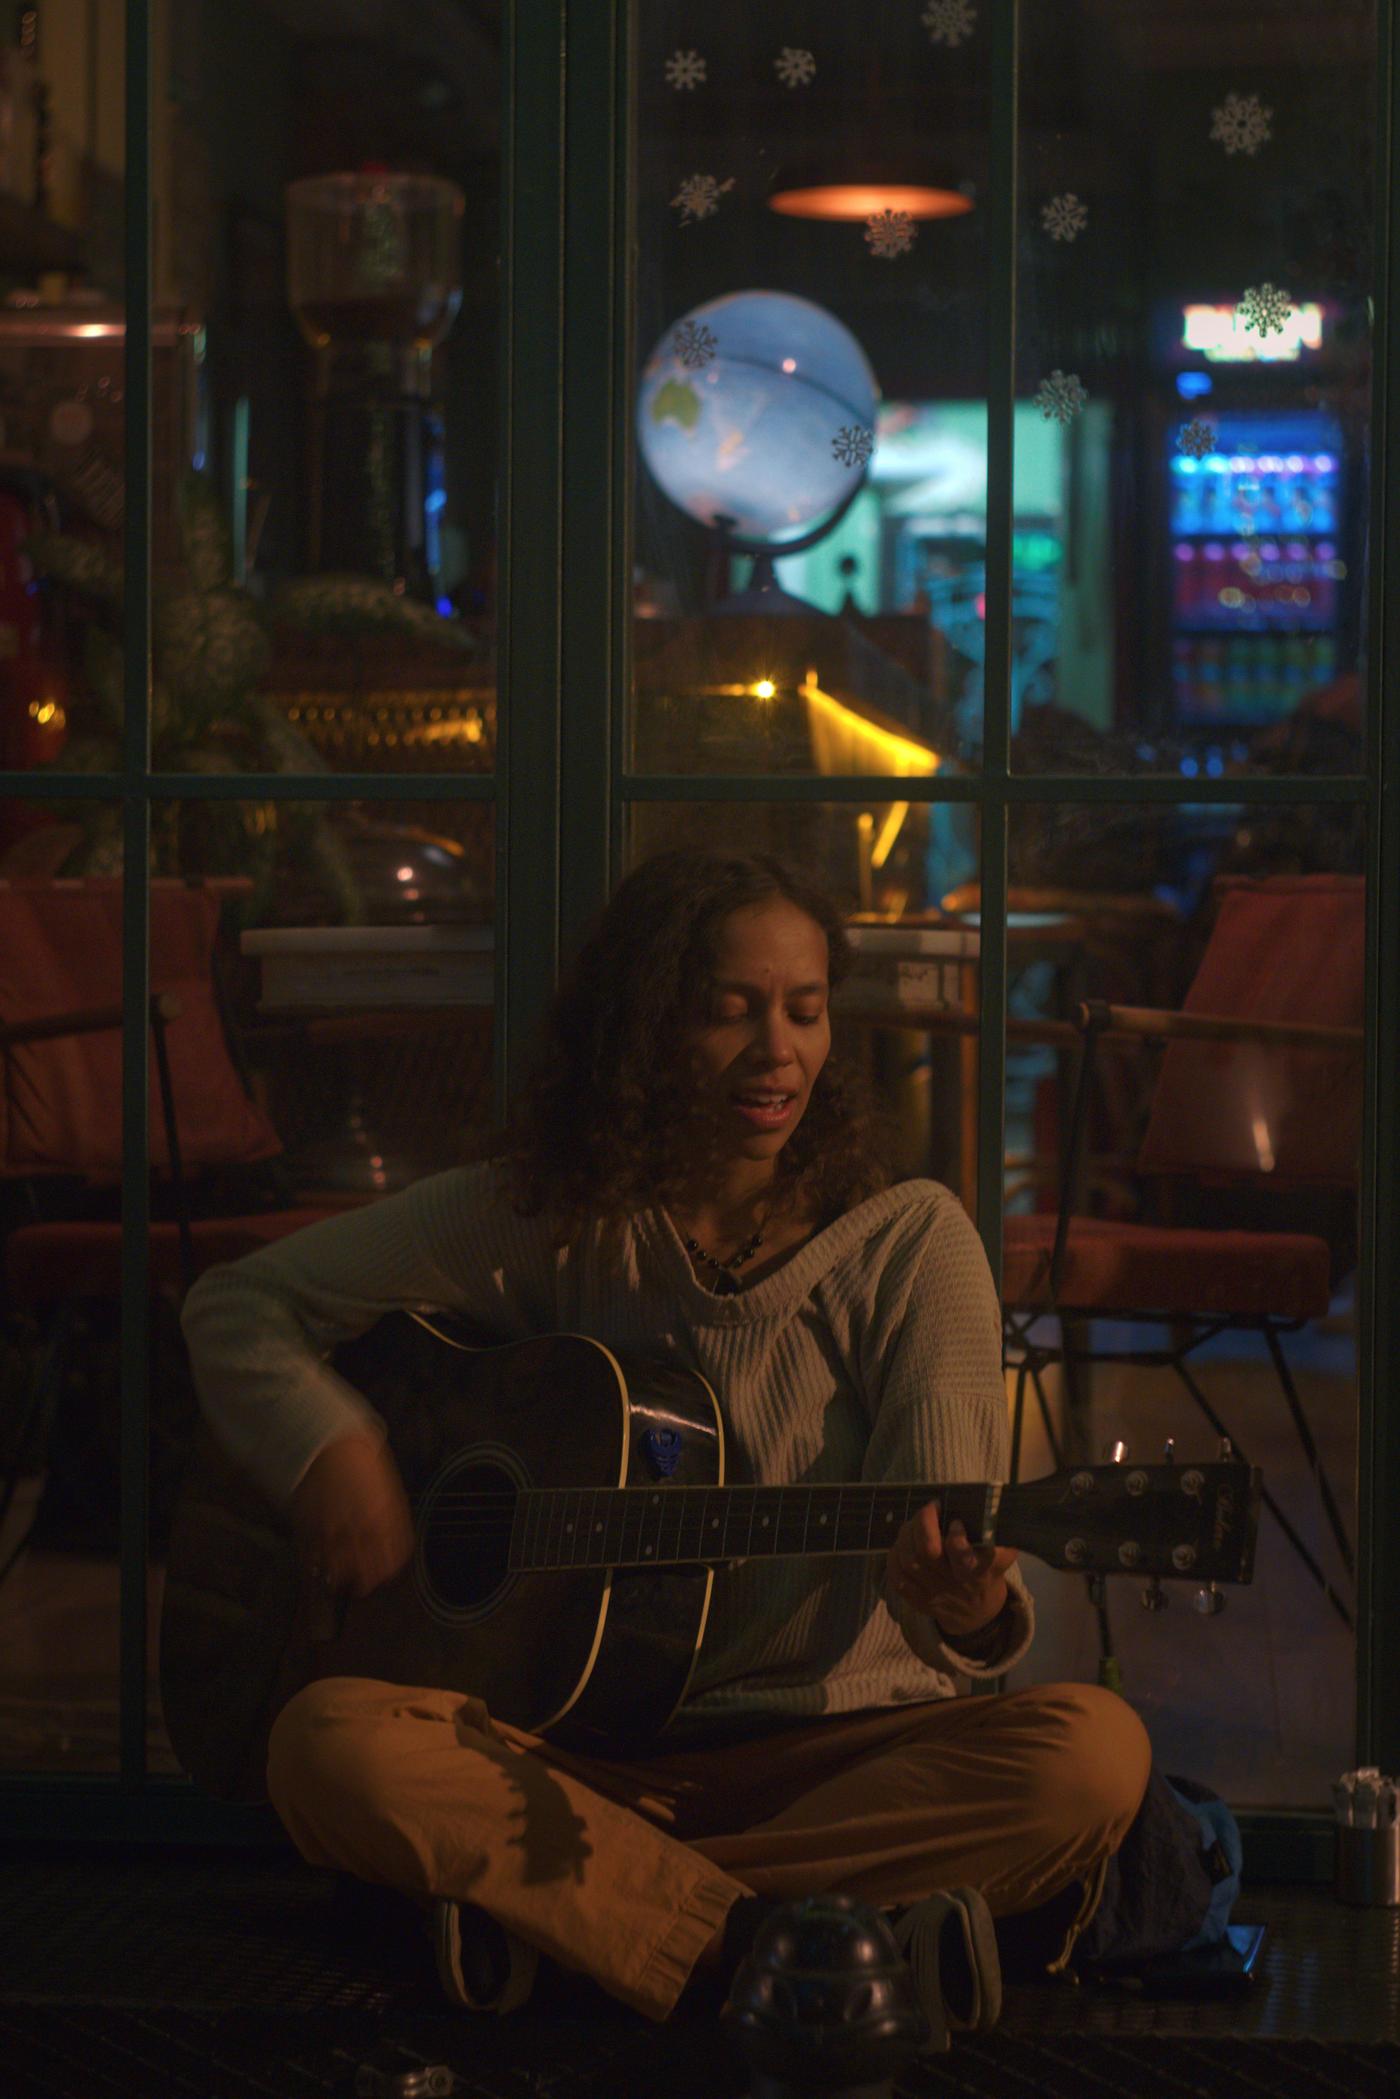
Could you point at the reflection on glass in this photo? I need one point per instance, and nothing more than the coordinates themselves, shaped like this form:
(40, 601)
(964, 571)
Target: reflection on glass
(323, 519)
(334, 1041)
(374, 279)
(810, 287)
(1212, 1217)
(1187, 331)
(907, 1015)
(60, 1338)
(359, 988)
(63, 393)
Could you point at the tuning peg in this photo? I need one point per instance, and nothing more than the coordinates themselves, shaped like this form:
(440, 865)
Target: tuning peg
(1210, 1601)
(1226, 1451)
(1116, 1452)
(1154, 1596)
(1169, 1451)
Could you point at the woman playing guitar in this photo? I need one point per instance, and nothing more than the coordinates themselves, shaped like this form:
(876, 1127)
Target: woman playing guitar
(692, 1174)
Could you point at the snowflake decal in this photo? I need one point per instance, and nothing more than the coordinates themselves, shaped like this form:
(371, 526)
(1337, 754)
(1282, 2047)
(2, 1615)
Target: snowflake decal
(949, 21)
(1060, 398)
(1064, 218)
(1241, 124)
(1197, 438)
(793, 67)
(698, 197)
(694, 344)
(1265, 307)
(853, 444)
(685, 69)
(889, 233)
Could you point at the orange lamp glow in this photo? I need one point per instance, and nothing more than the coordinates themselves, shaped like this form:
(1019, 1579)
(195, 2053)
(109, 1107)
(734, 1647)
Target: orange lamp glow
(859, 200)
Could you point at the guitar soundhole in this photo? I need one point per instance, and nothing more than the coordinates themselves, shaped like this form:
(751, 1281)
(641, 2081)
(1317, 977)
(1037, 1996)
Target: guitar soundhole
(465, 1535)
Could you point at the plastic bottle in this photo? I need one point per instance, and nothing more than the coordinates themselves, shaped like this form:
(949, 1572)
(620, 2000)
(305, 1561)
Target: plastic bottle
(1324, 518)
(1295, 672)
(1186, 495)
(1223, 506)
(1185, 569)
(1269, 676)
(1238, 684)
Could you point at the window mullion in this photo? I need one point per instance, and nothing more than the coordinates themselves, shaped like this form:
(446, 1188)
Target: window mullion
(136, 831)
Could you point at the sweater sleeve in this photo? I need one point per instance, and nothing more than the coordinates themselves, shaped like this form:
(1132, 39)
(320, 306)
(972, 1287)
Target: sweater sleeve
(941, 1413)
(259, 1329)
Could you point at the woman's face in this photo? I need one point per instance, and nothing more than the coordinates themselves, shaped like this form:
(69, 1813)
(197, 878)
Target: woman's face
(767, 1029)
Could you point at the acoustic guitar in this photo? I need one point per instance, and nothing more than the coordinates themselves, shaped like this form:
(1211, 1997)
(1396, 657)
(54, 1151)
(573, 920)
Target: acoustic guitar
(570, 1507)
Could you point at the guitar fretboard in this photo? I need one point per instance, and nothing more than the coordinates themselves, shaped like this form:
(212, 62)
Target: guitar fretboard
(677, 1526)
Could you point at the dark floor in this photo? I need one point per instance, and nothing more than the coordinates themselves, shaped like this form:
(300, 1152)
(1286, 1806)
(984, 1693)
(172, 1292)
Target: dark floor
(220, 1979)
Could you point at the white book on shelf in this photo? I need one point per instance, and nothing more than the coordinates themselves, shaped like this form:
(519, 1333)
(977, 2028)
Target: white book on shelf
(374, 965)
(948, 943)
(902, 968)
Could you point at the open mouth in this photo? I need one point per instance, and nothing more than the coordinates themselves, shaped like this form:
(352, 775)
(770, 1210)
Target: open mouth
(767, 1111)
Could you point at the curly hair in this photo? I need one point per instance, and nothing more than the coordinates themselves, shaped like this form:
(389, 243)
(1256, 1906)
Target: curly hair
(607, 1121)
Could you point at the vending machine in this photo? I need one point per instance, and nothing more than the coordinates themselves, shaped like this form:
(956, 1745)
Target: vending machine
(1258, 567)
(1260, 515)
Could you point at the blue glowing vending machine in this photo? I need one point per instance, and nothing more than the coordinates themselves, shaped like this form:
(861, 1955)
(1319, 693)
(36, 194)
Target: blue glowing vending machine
(1259, 566)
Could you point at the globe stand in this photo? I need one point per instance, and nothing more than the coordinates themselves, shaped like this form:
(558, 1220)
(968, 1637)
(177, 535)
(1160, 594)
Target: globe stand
(764, 594)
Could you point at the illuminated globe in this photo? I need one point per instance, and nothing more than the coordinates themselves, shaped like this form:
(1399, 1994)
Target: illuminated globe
(740, 405)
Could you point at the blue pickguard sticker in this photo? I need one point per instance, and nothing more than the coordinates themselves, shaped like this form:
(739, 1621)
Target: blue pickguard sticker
(663, 1449)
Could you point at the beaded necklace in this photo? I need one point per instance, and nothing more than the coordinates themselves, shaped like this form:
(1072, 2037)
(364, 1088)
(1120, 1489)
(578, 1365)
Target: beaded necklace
(727, 1286)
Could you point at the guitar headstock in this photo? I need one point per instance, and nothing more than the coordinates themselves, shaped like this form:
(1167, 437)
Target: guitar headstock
(1195, 1522)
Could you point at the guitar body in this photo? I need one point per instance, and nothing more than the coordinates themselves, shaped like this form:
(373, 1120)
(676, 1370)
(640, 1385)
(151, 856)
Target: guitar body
(595, 1658)
(555, 1576)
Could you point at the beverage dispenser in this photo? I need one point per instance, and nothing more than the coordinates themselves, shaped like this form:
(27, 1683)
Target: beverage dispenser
(375, 281)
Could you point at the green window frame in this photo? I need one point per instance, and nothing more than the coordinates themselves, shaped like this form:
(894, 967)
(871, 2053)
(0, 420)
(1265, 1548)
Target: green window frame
(561, 789)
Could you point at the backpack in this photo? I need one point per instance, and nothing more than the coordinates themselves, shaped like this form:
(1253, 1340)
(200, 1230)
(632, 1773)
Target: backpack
(1173, 1882)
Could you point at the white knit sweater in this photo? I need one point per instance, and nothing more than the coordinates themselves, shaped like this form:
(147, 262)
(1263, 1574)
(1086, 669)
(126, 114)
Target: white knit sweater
(873, 1353)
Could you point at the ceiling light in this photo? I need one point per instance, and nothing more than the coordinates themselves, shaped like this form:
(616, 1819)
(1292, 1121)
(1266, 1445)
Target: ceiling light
(861, 200)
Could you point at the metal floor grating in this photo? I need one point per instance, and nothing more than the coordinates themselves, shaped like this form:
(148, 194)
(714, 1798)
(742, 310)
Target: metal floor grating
(87, 2052)
(189, 1977)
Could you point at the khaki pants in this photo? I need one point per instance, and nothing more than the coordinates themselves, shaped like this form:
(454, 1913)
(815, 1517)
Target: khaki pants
(625, 1870)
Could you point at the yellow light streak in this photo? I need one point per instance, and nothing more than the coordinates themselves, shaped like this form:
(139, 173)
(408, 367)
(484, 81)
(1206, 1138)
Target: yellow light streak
(889, 831)
(865, 824)
(900, 754)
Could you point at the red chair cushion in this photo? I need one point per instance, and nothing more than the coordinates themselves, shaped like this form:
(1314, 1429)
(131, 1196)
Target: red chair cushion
(60, 1105)
(1123, 1268)
(46, 1263)
(1289, 948)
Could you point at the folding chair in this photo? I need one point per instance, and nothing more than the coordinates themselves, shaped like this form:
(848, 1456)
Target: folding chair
(1256, 1113)
(60, 1141)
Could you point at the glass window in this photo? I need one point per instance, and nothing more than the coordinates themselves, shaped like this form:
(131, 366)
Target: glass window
(61, 981)
(810, 408)
(327, 209)
(1195, 224)
(1213, 1220)
(1191, 422)
(1190, 445)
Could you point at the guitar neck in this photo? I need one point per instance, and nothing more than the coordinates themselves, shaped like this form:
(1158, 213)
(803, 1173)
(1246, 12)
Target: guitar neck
(680, 1526)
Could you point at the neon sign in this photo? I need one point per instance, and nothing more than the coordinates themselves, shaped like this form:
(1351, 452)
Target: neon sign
(1219, 334)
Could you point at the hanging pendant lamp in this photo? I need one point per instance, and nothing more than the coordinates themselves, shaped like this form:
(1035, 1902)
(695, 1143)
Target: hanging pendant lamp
(824, 191)
(858, 172)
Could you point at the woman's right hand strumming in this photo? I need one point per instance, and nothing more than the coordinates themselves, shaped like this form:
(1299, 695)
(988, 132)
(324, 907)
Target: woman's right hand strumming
(351, 1517)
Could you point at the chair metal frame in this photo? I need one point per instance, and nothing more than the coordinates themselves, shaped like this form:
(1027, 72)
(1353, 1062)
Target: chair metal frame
(1097, 1021)
(164, 1007)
